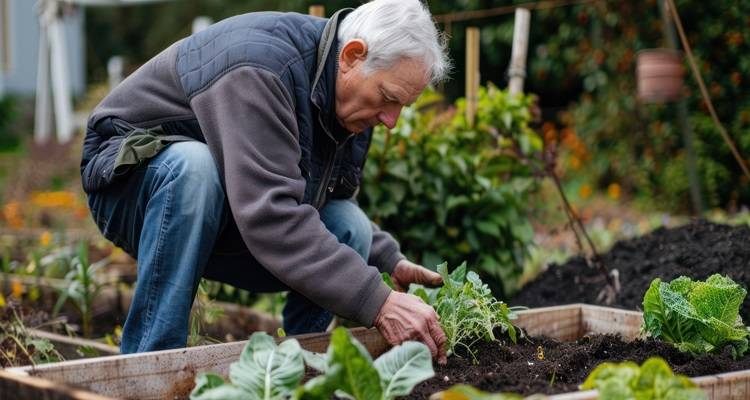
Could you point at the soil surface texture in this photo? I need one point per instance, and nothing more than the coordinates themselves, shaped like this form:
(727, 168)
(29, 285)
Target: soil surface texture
(696, 250)
(541, 365)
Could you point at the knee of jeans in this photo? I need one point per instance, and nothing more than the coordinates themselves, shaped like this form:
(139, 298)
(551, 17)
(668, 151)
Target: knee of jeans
(349, 224)
(196, 177)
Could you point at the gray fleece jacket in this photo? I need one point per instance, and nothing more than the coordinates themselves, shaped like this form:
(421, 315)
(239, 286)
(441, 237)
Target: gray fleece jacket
(258, 89)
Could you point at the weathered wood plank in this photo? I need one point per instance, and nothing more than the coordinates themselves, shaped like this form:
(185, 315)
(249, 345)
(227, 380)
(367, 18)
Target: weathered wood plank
(18, 386)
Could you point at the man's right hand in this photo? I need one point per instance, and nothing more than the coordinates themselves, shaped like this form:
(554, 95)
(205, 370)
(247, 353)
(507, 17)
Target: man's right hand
(406, 317)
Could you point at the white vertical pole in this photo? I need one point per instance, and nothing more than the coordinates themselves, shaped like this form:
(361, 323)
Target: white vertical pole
(201, 23)
(115, 66)
(60, 81)
(43, 111)
(517, 70)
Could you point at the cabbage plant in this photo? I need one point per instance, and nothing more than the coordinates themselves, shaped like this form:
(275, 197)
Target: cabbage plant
(697, 317)
(349, 371)
(267, 371)
(653, 380)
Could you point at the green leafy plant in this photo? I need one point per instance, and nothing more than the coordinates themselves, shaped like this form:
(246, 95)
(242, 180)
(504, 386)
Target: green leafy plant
(468, 311)
(653, 380)
(264, 371)
(205, 312)
(269, 371)
(451, 191)
(17, 346)
(350, 372)
(82, 288)
(697, 317)
(466, 392)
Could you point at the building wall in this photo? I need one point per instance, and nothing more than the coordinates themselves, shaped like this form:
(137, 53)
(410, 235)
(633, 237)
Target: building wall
(18, 73)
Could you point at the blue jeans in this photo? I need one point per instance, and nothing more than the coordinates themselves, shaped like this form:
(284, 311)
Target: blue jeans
(172, 216)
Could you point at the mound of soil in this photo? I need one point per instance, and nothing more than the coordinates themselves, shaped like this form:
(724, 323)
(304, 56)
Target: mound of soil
(542, 365)
(697, 250)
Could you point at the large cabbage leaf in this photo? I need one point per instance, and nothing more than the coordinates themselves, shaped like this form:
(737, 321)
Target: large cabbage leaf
(695, 316)
(265, 371)
(351, 373)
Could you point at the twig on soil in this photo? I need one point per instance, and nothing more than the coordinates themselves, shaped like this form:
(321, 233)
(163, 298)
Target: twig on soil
(609, 293)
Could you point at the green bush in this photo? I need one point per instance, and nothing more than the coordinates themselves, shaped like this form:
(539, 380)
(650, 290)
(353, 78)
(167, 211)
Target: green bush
(8, 117)
(450, 192)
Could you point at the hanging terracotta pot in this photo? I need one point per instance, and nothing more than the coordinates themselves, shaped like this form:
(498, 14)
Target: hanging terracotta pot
(660, 75)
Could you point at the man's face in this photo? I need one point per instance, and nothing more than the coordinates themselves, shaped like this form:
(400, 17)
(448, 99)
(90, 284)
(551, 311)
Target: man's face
(365, 101)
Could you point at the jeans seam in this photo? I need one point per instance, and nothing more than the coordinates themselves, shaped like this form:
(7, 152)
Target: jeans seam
(157, 260)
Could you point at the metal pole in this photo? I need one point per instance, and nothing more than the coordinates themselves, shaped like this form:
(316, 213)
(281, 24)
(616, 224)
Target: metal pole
(682, 116)
(517, 70)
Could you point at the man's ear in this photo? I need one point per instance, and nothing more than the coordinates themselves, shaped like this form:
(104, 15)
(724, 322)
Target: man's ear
(353, 52)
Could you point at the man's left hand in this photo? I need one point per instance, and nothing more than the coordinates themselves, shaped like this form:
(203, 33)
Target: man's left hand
(406, 272)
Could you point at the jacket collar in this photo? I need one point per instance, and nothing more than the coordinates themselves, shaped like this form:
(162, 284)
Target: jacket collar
(323, 92)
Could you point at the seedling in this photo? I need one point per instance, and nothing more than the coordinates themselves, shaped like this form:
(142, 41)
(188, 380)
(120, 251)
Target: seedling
(81, 289)
(468, 311)
(17, 347)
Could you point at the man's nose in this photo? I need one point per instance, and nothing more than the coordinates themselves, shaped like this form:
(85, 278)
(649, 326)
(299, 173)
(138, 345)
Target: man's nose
(389, 116)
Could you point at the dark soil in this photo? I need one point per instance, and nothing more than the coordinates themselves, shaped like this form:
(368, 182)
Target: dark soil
(697, 250)
(521, 368)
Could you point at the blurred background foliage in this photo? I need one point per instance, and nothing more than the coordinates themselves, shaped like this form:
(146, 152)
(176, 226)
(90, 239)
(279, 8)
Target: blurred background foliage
(582, 67)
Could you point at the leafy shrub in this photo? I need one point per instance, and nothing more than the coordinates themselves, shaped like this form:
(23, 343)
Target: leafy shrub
(269, 371)
(468, 311)
(451, 192)
(652, 380)
(9, 138)
(697, 317)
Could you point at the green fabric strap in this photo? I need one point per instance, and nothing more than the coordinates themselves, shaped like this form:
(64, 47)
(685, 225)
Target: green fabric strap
(143, 145)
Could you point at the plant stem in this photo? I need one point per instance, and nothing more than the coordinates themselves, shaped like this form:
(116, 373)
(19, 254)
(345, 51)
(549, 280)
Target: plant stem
(575, 220)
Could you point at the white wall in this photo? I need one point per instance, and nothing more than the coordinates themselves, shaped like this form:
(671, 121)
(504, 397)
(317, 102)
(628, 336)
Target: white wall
(24, 42)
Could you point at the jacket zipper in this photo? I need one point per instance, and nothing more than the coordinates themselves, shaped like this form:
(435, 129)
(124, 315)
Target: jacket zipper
(318, 199)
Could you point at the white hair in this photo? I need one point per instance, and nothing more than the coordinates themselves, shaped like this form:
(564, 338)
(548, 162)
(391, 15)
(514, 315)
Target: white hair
(394, 30)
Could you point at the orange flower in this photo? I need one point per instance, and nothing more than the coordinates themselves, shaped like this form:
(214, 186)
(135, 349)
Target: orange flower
(12, 214)
(584, 191)
(45, 238)
(575, 163)
(60, 199)
(736, 78)
(613, 191)
(16, 288)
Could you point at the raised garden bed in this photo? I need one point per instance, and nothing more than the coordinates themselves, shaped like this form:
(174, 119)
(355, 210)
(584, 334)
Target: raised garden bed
(170, 374)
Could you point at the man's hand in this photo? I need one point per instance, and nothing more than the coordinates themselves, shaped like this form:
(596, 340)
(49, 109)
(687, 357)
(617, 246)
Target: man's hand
(406, 317)
(407, 272)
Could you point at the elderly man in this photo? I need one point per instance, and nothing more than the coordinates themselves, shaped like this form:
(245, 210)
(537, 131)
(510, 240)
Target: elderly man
(235, 155)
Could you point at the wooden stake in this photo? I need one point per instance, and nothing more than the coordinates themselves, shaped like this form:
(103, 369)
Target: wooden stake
(317, 10)
(472, 73)
(517, 70)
